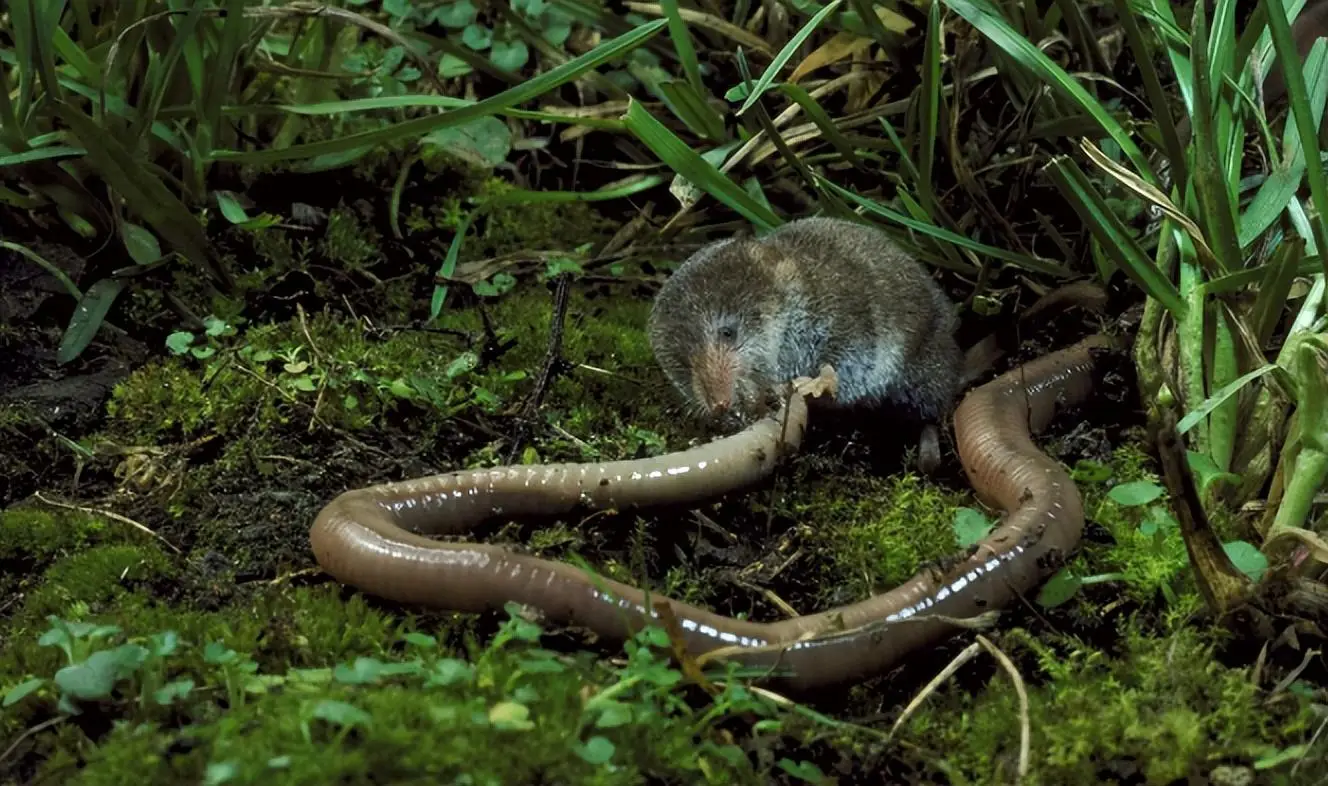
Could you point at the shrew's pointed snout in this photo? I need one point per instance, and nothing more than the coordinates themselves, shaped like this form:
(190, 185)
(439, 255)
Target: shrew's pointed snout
(714, 377)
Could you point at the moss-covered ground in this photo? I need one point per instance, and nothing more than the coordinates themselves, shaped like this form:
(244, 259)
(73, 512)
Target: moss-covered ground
(166, 622)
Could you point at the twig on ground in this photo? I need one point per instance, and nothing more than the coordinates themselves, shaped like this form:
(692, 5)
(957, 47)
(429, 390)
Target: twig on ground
(110, 515)
(553, 365)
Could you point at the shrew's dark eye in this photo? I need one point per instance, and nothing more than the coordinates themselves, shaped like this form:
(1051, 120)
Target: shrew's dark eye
(728, 332)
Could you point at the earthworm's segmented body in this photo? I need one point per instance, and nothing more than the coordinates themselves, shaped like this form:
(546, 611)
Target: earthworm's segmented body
(373, 538)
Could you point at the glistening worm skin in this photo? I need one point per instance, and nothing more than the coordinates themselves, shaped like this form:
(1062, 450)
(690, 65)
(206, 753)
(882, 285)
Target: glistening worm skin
(371, 538)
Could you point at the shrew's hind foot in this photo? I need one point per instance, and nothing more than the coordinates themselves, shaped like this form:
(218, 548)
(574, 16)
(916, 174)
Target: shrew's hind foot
(929, 450)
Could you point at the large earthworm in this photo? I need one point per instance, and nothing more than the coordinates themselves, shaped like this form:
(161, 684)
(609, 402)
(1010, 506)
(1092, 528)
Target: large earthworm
(372, 538)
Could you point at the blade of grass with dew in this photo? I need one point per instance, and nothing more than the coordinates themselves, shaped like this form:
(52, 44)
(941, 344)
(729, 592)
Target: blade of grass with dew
(525, 91)
(1300, 110)
(144, 194)
(987, 19)
(692, 167)
(1112, 234)
(1035, 264)
(87, 318)
(785, 54)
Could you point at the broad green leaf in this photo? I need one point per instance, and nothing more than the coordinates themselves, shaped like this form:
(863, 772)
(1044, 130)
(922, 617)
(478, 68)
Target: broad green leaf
(1058, 589)
(141, 244)
(509, 55)
(1248, 559)
(87, 318)
(1135, 492)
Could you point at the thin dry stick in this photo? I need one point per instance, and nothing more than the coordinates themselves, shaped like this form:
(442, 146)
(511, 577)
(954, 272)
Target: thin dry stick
(1024, 726)
(968, 654)
(35, 729)
(110, 515)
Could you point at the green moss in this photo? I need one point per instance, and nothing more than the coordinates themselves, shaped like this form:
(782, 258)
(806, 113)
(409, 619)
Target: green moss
(874, 532)
(95, 578)
(40, 534)
(1165, 705)
(1148, 551)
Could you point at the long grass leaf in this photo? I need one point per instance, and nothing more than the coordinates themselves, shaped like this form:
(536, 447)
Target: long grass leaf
(930, 108)
(1216, 206)
(1035, 264)
(696, 170)
(983, 16)
(682, 44)
(147, 196)
(23, 25)
(1300, 110)
(525, 91)
(785, 54)
(1157, 97)
(1206, 407)
(1112, 234)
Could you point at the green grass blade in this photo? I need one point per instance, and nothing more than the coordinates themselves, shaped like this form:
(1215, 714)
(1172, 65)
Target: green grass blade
(525, 91)
(682, 44)
(41, 154)
(1273, 289)
(822, 120)
(930, 108)
(696, 170)
(1204, 409)
(147, 196)
(1035, 264)
(987, 19)
(1112, 234)
(1216, 202)
(23, 27)
(1300, 110)
(633, 185)
(1157, 97)
(785, 54)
